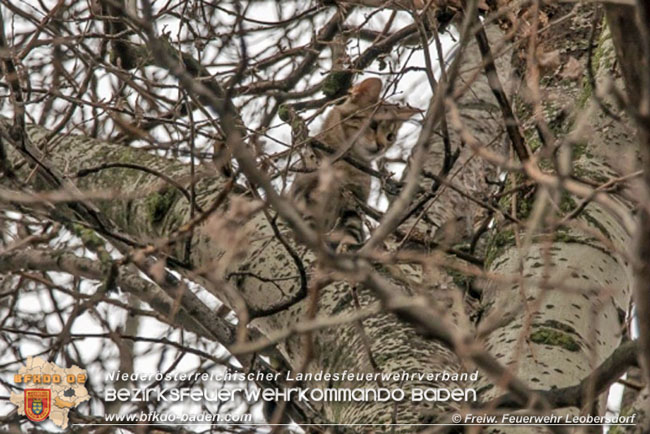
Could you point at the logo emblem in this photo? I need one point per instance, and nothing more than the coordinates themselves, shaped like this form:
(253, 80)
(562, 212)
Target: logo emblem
(38, 403)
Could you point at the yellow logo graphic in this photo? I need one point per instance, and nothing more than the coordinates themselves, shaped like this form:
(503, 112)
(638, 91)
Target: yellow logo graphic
(49, 391)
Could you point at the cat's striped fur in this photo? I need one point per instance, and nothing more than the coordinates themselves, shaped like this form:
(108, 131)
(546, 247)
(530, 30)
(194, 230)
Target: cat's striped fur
(362, 127)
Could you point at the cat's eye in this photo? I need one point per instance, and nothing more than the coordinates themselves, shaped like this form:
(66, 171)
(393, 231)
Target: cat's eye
(374, 125)
(390, 137)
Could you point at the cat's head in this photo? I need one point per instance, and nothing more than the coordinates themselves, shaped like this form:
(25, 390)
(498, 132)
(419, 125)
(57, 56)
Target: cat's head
(378, 121)
(386, 122)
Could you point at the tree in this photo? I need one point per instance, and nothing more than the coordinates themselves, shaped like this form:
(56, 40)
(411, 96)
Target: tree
(143, 185)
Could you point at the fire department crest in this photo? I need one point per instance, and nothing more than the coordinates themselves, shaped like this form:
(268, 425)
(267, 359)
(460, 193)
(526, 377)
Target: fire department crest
(38, 403)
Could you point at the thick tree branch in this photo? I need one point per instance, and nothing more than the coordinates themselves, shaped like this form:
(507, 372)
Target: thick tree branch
(194, 315)
(598, 381)
(631, 34)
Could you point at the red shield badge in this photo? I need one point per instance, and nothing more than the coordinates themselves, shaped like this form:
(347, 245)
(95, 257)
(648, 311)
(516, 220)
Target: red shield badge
(37, 404)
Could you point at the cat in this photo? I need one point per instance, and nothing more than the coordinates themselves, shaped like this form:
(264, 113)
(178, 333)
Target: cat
(362, 127)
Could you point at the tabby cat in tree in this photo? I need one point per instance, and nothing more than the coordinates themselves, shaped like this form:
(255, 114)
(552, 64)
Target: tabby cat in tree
(362, 127)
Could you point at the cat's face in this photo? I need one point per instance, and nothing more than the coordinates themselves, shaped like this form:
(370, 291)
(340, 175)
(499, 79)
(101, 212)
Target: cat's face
(374, 123)
(385, 124)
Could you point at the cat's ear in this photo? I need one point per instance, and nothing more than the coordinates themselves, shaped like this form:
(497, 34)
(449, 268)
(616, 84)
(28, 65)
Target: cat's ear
(406, 112)
(367, 92)
(395, 112)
